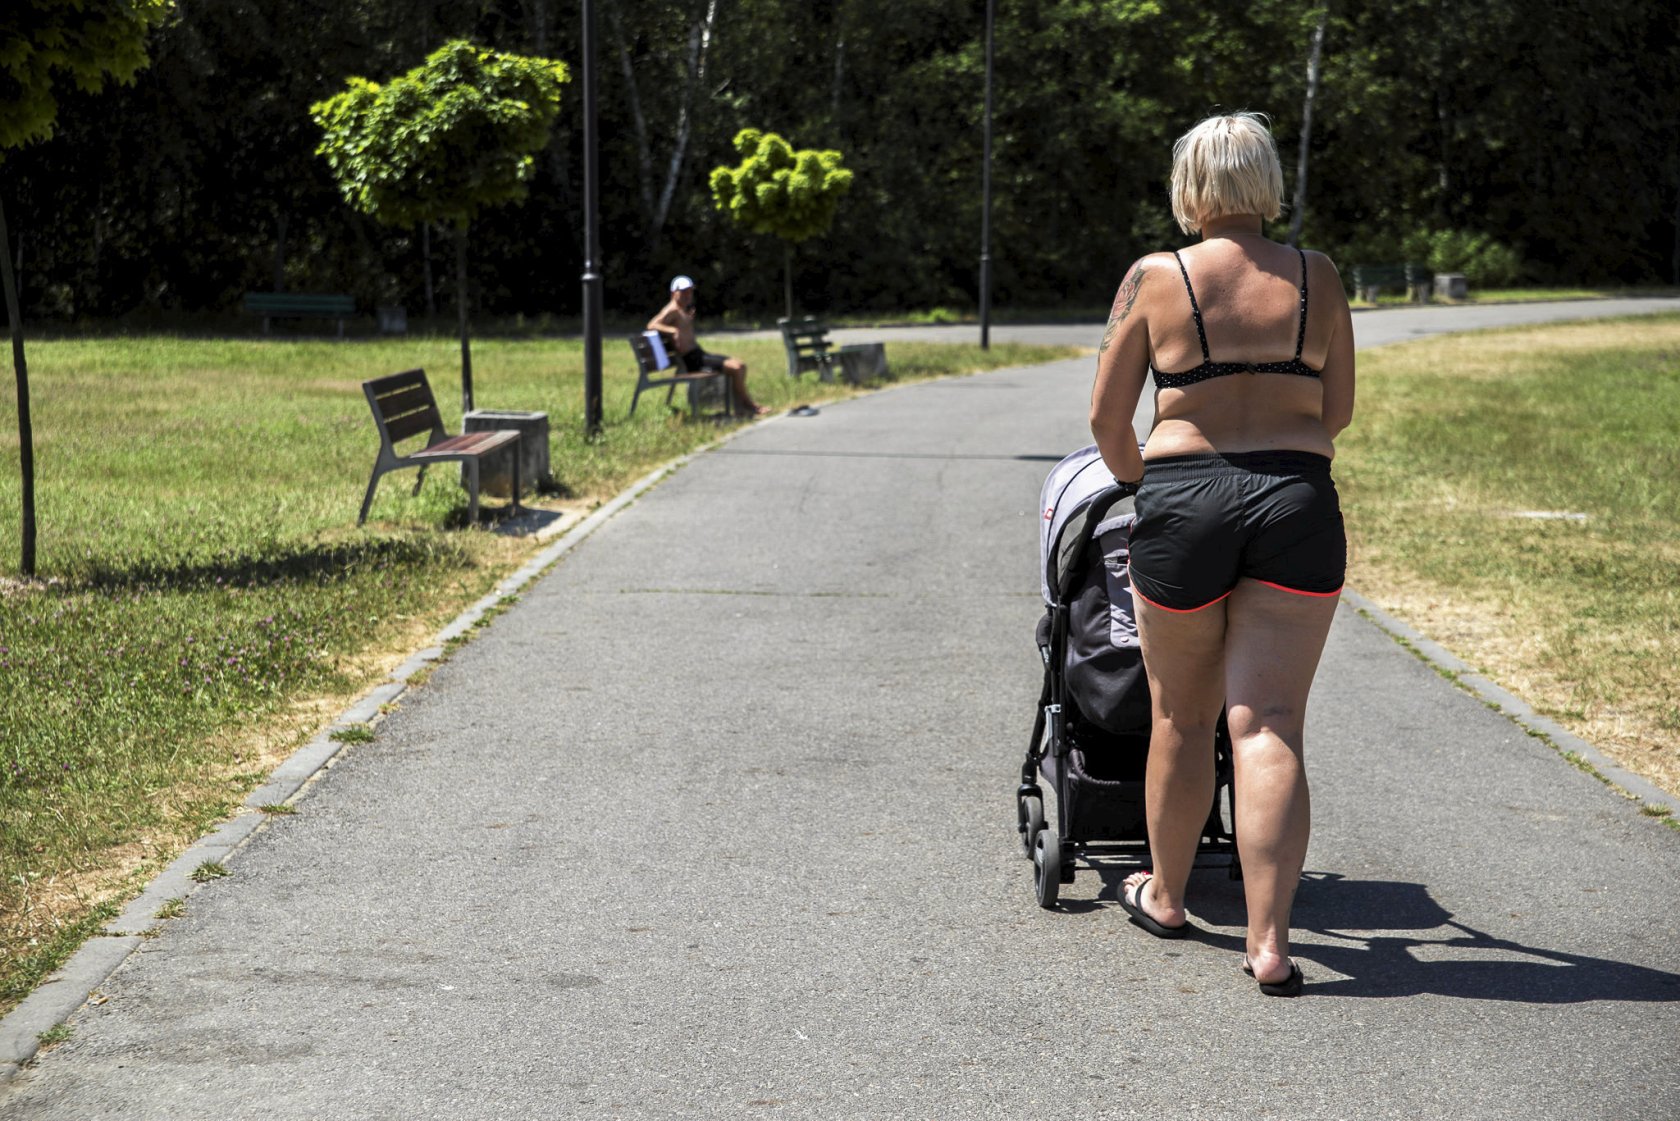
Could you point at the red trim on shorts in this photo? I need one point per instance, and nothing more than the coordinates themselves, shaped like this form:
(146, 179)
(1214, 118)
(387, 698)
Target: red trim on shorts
(1177, 610)
(1298, 591)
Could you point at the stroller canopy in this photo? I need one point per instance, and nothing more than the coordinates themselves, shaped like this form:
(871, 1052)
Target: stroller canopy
(1072, 483)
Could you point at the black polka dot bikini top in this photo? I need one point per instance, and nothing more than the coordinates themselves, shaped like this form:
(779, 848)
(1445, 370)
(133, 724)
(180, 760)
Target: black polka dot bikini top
(1211, 369)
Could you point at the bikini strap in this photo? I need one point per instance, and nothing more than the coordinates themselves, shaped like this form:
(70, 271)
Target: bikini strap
(1301, 335)
(1201, 332)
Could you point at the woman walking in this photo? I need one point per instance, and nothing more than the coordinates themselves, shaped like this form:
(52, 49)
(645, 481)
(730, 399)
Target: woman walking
(1238, 553)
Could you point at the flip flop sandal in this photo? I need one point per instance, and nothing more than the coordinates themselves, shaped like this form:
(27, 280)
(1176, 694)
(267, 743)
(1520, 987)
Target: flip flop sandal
(1289, 986)
(1133, 904)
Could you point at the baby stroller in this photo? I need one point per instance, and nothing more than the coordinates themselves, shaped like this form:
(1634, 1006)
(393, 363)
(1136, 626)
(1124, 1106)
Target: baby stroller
(1090, 737)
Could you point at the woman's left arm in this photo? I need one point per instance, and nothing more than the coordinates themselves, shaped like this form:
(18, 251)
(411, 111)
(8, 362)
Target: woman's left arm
(1122, 366)
(1337, 375)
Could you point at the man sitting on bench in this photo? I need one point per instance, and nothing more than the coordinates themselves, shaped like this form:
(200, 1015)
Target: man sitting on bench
(675, 322)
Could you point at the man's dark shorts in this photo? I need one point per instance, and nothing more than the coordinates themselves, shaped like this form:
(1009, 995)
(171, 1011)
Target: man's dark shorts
(697, 359)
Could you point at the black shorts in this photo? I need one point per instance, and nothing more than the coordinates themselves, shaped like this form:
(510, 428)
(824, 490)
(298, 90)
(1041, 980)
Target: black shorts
(1206, 521)
(697, 359)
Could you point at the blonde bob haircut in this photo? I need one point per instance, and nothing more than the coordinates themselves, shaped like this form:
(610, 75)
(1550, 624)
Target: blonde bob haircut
(1226, 165)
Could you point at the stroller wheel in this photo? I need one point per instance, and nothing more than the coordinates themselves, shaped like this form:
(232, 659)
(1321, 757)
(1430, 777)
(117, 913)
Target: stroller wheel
(1047, 867)
(1029, 819)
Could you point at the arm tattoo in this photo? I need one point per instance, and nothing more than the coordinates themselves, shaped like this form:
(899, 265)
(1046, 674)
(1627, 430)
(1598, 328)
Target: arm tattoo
(1123, 301)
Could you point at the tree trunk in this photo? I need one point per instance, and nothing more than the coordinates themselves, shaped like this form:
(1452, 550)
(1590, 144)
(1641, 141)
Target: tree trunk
(1300, 206)
(26, 435)
(431, 290)
(644, 154)
(538, 13)
(699, 46)
(280, 224)
(787, 278)
(1674, 261)
(839, 70)
(1443, 121)
(461, 314)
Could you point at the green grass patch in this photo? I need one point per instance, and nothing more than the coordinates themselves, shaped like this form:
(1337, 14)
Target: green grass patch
(209, 870)
(206, 602)
(1513, 494)
(172, 909)
(355, 733)
(58, 1033)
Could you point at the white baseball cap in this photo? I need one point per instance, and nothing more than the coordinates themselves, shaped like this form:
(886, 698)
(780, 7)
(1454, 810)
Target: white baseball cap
(678, 283)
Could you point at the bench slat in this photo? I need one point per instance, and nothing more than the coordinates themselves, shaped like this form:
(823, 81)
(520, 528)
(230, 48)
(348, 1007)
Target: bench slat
(411, 425)
(300, 303)
(391, 383)
(410, 400)
(468, 443)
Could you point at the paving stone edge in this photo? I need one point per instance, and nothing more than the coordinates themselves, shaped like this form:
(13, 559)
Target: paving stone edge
(1636, 788)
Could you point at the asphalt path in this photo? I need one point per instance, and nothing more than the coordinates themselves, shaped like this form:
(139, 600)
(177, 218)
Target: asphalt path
(718, 821)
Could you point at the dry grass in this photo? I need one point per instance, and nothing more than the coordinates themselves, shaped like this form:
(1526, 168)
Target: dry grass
(1455, 439)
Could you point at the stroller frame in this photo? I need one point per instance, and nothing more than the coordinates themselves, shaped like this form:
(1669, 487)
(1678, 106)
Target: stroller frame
(1058, 849)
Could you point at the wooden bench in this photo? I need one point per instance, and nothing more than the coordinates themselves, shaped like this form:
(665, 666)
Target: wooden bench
(300, 305)
(1370, 280)
(808, 348)
(656, 367)
(403, 407)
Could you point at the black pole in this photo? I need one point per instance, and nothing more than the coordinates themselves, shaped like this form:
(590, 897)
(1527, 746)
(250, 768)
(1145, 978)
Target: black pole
(26, 432)
(986, 199)
(591, 235)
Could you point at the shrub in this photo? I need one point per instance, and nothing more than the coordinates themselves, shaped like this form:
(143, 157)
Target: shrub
(1486, 263)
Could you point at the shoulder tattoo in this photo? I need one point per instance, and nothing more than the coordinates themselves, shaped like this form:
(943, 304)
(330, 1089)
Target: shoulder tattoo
(1124, 299)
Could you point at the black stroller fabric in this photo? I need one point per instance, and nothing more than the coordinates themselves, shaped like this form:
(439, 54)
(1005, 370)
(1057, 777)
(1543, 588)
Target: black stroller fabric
(1104, 665)
(1098, 664)
(1090, 736)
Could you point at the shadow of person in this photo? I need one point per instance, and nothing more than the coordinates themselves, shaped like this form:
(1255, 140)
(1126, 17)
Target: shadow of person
(1388, 938)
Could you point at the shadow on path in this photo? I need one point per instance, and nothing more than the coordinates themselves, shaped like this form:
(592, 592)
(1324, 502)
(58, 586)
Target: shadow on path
(1357, 917)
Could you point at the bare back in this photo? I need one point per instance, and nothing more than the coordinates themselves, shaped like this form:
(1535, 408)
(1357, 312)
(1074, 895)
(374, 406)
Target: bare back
(1249, 291)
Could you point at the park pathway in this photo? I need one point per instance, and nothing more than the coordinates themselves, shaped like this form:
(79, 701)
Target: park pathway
(717, 822)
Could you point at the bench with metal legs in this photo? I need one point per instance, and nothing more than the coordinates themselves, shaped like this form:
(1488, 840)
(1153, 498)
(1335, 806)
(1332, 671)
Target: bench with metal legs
(403, 407)
(652, 360)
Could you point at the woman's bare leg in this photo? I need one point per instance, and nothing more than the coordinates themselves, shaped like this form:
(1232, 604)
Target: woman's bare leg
(1273, 641)
(1183, 654)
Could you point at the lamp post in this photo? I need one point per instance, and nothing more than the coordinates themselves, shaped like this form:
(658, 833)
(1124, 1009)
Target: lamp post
(591, 235)
(986, 198)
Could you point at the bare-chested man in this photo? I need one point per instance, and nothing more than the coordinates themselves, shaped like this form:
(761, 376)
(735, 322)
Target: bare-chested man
(675, 321)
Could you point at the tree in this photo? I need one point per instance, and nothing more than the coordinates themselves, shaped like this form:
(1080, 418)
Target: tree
(658, 191)
(776, 190)
(456, 134)
(1298, 212)
(44, 43)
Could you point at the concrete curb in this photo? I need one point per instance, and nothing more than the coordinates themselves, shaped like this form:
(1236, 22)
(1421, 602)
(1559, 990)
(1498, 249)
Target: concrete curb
(64, 992)
(1634, 787)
